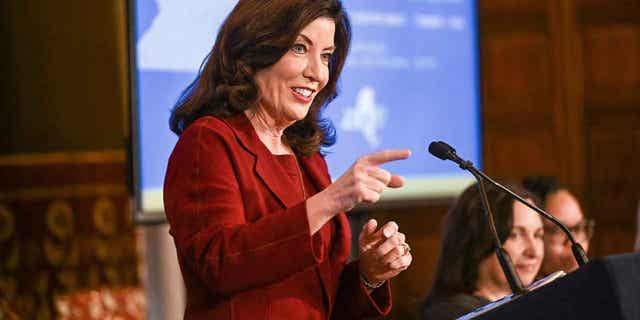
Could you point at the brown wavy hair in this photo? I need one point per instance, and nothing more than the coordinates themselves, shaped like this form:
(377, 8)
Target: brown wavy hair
(255, 35)
(466, 239)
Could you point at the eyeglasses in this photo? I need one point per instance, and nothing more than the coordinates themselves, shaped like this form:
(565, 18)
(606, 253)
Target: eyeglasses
(582, 232)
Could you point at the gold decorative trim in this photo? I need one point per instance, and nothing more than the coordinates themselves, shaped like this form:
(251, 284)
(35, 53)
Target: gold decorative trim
(54, 253)
(30, 159)
(73, 257)
(59, 219)
(71, 191)
(105, 250)
(105, 216)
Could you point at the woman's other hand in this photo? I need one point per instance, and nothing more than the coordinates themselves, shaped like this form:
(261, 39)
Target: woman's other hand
(383, 252)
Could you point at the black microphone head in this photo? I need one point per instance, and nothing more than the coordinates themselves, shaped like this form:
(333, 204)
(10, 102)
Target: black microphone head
(441, 150)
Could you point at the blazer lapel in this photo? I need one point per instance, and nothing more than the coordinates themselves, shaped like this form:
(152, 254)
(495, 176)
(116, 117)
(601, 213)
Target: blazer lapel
(317, 170)
(272, 176)
(265, 166)
(316, 167)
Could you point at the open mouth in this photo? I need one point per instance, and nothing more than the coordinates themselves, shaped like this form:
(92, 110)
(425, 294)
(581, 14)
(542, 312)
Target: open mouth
(304, 94)
(303, 91)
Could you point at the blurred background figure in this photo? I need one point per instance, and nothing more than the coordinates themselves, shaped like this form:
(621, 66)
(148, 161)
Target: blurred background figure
(468, 274)
(559, 202)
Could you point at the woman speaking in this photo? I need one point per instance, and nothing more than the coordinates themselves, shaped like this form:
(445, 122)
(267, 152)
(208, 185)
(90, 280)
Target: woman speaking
(258, 226)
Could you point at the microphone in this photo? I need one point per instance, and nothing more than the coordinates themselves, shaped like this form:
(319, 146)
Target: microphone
(444, 151)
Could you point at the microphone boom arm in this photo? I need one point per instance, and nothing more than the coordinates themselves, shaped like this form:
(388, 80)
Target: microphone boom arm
(576, 248)
(444, 151)
(503, 257)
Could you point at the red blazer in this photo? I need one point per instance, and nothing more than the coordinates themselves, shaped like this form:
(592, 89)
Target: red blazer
(242, 235)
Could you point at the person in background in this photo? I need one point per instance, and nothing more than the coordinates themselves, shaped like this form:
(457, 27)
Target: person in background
(259, 227)
(558, 201)
(468, 274)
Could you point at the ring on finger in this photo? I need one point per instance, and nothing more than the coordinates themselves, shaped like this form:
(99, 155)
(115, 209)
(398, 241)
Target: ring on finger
(405, 248)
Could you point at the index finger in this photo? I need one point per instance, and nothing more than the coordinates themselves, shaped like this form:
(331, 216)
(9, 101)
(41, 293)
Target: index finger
(385, 156)
(384, 232)
(368, 229)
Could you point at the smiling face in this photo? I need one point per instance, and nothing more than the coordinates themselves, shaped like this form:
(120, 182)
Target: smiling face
(288, 87)
(525, 246)
(558, 255)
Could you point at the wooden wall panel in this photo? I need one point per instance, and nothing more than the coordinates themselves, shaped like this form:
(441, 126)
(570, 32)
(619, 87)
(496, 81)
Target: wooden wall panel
(516, 71)
(605, 12)
(513, 15)
(612, 238)
(511, 154)
(611, 179)
(612, 67)
(65, 83)
(613, 188)
(518, 95)
(610, 39)
(611, 148)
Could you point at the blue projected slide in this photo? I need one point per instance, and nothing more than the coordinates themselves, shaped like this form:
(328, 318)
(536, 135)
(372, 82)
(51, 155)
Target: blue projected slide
(410, 78)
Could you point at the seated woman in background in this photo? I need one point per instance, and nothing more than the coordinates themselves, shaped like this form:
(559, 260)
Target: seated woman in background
(558, 201)
(468, 274)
